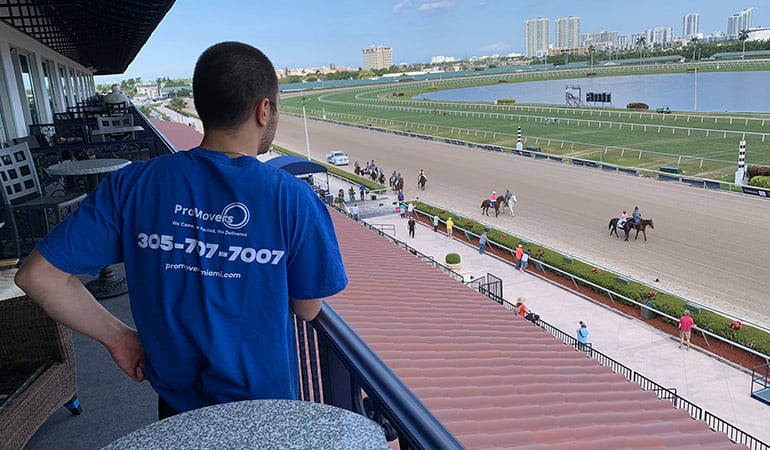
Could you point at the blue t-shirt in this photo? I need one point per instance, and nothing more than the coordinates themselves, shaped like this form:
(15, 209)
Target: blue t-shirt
(214, 248)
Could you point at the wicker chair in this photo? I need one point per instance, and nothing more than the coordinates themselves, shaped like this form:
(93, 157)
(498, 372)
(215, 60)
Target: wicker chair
(37, 370)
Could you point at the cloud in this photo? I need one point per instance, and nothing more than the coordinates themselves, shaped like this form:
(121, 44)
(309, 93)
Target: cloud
(399, 5)
(496, 47)
(428, 6)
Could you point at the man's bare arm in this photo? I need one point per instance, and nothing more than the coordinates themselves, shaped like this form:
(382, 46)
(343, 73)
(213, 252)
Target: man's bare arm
(306, 309)
(66, 300)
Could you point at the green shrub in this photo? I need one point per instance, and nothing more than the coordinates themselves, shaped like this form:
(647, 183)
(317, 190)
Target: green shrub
(637, 105)
(452, 258)
(760, 181)
(506, 101)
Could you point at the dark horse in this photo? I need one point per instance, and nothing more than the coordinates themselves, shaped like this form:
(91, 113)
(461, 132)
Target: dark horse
(629, 225)
(421, 182)
(500, 203)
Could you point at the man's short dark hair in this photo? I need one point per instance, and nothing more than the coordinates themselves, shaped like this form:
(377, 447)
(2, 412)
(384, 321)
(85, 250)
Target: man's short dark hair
(229, 81)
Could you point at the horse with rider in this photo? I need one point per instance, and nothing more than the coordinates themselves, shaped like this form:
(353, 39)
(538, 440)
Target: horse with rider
(625, 223)
(495, 202)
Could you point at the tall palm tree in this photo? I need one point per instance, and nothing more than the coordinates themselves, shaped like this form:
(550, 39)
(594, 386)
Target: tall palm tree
(641, 42)
(694, 43)
(742, 36)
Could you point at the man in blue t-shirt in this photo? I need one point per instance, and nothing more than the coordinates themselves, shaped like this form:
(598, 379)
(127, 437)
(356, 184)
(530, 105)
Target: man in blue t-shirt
(219, 250)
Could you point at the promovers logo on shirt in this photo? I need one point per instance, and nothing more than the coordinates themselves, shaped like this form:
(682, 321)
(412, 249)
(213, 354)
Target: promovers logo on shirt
(234, 216)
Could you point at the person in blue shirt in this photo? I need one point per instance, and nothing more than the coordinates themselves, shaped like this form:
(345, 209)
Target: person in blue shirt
(582, 335)
(219, 250)
(636, 215)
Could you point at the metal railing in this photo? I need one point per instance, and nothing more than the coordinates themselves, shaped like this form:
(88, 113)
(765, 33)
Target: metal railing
(733, 433)
(346, 373)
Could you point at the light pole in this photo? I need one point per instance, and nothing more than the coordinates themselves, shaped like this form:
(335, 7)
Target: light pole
(304, 119)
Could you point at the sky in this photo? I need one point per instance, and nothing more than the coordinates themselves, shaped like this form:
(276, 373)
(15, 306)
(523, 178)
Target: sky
(315, 33)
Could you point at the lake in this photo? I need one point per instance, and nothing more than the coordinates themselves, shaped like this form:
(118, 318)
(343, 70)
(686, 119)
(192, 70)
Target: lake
(716, 91)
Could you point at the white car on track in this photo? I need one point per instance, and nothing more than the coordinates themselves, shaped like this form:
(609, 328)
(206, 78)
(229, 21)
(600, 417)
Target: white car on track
(338, 158)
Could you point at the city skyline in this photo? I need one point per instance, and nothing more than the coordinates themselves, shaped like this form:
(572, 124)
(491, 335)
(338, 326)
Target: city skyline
(311, 34)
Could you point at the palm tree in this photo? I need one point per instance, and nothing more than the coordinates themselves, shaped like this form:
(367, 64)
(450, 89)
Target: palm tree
(694, 43)
(641, 42)
(742, 36)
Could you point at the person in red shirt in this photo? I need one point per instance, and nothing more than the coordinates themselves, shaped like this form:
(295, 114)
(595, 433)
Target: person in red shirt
(686, 325)
(519, 308)
(518, 255)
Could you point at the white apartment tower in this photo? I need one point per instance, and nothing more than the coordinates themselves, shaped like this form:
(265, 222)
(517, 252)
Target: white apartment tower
(377, 57)
(690, 25)
(568, 32)
(536, 33)
(739, 21)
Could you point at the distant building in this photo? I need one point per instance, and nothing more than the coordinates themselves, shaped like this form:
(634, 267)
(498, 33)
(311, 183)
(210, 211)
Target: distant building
(739, 21)
(602, 41)
(442, 59)
(166, 92)
(147, 90)
(536, 37)
(659, 35)
(690, 25)
(759, 34)
(377, 57)
(568, 32)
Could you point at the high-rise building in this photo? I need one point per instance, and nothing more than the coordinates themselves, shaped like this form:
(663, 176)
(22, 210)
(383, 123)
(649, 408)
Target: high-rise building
(659, 35)
(602, 41)
(738, 22)
(536, 33)
(690, 25)
(377, 57)
(568, 32)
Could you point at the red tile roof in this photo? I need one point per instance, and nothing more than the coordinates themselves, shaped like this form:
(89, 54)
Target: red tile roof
(183, 137)
(494, 379)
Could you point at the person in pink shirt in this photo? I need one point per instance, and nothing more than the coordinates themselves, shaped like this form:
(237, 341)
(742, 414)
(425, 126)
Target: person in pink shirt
(686, 325)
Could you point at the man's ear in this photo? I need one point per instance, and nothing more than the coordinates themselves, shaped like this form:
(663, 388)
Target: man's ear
(263, 112)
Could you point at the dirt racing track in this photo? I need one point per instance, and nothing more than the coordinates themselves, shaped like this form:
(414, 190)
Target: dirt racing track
(707, 245)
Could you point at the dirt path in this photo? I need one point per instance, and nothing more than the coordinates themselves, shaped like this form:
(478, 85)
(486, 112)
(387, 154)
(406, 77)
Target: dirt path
(709, 246)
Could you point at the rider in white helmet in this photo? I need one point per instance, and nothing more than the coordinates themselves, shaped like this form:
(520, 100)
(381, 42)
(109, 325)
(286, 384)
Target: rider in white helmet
(492, 199)
(622, 219)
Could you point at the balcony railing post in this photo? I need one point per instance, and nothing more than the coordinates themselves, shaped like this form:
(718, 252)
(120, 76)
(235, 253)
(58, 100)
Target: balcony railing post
(336, 379)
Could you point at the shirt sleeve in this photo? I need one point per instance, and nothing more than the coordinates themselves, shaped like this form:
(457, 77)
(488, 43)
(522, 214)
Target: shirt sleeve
(315, 267)
(89, 238)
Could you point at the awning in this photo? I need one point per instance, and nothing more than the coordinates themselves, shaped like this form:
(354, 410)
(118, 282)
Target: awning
(295, 165)
(104, 35)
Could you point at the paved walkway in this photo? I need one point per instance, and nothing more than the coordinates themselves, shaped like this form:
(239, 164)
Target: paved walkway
(717, 387)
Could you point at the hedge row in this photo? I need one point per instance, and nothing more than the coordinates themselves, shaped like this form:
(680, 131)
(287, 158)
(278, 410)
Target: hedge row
(669, 304)
(760, 181)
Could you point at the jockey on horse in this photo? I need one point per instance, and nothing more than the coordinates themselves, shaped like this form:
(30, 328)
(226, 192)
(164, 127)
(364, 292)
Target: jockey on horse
(622, 219)
(636, 215)
(421, 179)
(492, 199)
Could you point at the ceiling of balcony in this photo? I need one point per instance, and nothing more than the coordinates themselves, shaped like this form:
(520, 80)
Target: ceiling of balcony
(105, 35)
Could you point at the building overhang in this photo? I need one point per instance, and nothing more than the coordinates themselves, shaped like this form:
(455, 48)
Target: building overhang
(103, 35)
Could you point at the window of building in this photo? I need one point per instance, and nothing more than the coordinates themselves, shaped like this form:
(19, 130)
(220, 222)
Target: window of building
(49, 84)
(65, 86)
(26, 83)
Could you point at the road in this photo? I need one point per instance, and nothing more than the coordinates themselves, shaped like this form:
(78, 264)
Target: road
(707, 245)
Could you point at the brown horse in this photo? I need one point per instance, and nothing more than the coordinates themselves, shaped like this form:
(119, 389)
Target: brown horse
(500, 203)
(643, 224)
(399, 185)
(421, 182)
